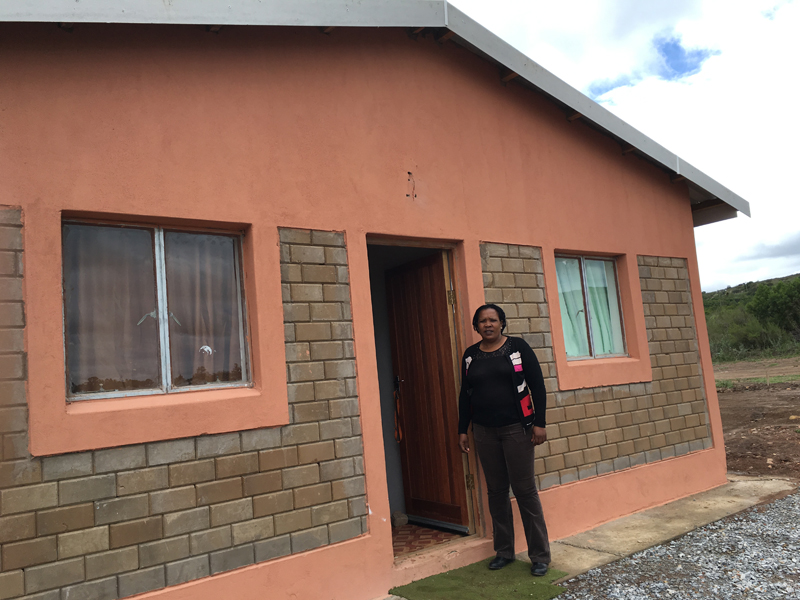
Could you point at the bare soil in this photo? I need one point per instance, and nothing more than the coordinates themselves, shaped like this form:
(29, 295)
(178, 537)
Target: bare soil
(761, 423)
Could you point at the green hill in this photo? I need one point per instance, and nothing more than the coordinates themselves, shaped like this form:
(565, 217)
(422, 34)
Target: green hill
(756, 319)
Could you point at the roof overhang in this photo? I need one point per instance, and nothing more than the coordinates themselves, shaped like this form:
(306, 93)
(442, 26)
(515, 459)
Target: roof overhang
(710, 200)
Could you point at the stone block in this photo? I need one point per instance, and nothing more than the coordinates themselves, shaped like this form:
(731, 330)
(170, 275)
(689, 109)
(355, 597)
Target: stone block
(262, 483)
(19, 527)
(280, 457)
(141, 581)
(316, 452)
(306, 371)
(292, 313)
(186, 521)
(269, 504)
(312, 495)
(104, 589)
(136, 532)
(121, 509)
(12, 314)
(328, 513)
(342, 331)
(316, 274)
(310, 411)
(162, 453)
(335, 428)
(53, 575)
(12, 584)
(172, 500)
(163, 551)
(218, 445)
(188, 569)
(325, 390)
(19, 555)
(307, 254)
(357, 506)
(292, 521)
(253, 530)
(232, 558)
(344, 530)
(120, 459)
(335, 256)
(326, 311)
(294, 236)
(313, 331)
(348, 447)
(327, 238)
(141, 480)
(303, 433)
(210, 540)
(231, 512)
(112, 562)
(300, 476)
(61, 520)
(273, 548)
(345, 407)
(66, 466)
(28, 498)
(309, 539)
(191, 472)
(219, 491)
(305, 292)
(85, 541)
(239, 464)
(345, 488)
(260, 439)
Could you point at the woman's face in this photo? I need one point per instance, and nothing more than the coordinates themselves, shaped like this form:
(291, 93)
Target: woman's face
(489, 325)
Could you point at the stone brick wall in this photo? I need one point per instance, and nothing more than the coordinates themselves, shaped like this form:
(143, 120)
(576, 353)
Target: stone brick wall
(117, 522)
(599, 430)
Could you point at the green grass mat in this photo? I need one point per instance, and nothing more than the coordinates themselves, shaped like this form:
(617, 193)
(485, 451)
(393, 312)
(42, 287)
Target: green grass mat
(477, 582)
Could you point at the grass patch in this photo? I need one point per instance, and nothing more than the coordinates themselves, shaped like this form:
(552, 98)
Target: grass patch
(730, 383)
(477, 582)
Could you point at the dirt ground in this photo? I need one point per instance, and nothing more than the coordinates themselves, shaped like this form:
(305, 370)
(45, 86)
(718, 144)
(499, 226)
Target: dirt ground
(761, 423)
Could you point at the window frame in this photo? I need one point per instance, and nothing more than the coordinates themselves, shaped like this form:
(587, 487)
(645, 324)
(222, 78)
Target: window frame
(581, 258)
(159, 260)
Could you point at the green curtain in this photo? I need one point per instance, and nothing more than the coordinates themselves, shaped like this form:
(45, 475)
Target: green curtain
(573, 310)
(604, 314)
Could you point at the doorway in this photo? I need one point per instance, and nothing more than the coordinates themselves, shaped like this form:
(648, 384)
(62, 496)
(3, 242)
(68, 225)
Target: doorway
(415, 316)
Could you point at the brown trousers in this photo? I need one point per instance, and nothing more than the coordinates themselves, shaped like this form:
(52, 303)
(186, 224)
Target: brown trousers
(506, 454)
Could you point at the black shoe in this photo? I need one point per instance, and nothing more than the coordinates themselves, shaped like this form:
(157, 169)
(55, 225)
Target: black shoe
(538, 569)
(499, 562)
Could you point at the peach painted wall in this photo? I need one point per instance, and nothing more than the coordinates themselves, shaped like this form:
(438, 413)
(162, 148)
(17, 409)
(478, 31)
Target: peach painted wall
(289, 127)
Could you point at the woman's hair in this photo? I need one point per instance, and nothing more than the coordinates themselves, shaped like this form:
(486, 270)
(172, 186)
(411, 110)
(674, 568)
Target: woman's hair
(500, 313)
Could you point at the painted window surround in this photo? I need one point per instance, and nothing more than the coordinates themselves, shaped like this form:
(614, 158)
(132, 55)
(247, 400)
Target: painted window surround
(58, 426)
(596, 372)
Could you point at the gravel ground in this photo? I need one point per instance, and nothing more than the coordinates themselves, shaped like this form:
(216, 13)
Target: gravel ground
(755, 554)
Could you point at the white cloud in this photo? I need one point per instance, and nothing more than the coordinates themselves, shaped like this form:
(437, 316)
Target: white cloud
(733, 119)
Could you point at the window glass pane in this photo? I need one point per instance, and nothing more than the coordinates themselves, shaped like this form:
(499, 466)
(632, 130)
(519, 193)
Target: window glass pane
(111, 321)
(203, 303)
(604, 307)
(573, 311)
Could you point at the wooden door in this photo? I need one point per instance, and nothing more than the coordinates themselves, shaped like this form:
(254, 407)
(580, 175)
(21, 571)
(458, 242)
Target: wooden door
(422, 358)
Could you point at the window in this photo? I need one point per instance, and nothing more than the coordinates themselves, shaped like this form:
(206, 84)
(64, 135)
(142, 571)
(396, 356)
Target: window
(590, 309)
(151, 310)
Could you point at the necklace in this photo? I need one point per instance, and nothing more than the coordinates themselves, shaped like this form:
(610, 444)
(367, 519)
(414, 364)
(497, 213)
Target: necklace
(503, 340)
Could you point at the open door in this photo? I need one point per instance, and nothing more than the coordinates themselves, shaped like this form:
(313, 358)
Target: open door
(427, 398)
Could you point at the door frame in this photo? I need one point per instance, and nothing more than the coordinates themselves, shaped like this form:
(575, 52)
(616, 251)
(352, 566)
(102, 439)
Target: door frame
(454, 251)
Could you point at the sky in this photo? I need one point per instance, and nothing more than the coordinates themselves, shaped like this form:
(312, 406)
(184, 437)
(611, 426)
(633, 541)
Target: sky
(713, 81)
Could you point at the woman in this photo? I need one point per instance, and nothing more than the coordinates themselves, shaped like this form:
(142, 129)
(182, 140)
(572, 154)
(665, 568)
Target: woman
(503, 394)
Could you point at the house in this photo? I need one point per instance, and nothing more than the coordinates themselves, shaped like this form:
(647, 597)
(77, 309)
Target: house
(231, 231)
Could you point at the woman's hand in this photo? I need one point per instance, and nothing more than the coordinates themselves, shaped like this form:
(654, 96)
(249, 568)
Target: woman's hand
(463, 442)
(539, 435)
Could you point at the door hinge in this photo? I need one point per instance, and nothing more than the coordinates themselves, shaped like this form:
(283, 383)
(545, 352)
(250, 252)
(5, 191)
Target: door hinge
(451, 297)
(470, 481)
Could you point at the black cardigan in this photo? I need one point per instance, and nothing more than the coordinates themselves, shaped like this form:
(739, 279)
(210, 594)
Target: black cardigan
(531, 410)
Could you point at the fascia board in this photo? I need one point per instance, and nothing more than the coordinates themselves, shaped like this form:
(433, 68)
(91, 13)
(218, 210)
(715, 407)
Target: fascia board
(310, 13)
(712, 187)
